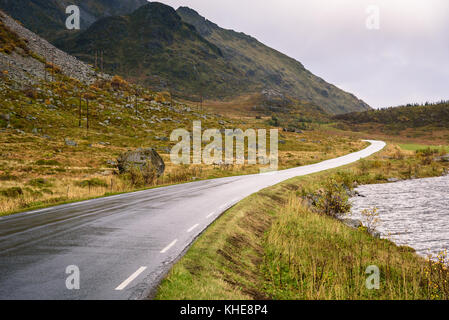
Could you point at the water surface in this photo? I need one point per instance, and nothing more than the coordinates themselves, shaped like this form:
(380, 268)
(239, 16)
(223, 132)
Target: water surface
(413, 212)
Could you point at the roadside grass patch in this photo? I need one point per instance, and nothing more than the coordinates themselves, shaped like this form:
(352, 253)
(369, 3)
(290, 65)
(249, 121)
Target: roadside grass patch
(416, 147)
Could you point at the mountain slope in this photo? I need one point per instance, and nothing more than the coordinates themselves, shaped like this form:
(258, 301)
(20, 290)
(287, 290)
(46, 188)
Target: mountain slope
(155, 47)
(47, 17)
(180, 51)
(271, 68)
(29, 59)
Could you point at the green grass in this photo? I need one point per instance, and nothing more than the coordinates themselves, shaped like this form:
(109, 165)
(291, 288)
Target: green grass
(416, 147)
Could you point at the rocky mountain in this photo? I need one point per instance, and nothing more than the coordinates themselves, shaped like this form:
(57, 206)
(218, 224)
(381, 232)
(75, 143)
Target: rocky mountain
(47, 17)
(27, 58)
(272, 69)
(181, 52)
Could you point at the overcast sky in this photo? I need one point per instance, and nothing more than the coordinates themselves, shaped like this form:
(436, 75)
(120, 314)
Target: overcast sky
(405, 60)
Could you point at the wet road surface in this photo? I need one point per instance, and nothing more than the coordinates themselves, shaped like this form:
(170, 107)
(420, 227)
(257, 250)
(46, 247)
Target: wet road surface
(122, 245)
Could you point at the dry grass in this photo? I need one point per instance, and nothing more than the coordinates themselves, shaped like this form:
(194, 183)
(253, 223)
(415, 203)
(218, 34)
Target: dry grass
(311, 256)
(26, 157)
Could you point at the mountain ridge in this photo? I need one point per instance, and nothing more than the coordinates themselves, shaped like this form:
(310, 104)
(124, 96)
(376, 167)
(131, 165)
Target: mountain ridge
(264, 62)
(184, 53)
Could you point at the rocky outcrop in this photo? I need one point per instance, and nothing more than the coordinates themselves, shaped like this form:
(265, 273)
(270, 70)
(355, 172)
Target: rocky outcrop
(353, 223)
(141, 158)
(29, 68)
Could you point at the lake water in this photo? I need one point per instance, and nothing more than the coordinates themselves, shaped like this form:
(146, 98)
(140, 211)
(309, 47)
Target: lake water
(413, 212)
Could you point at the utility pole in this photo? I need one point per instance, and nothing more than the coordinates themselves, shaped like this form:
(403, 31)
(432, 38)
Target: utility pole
(102, 62)
(201, 103)
(52, 68)
(79, 112)
(45, 70)
(87, 106)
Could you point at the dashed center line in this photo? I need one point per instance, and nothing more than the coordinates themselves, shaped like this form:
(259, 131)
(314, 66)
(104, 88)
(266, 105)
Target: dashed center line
(125, 283)
(210, 214)
(169, 246)
(191, 229)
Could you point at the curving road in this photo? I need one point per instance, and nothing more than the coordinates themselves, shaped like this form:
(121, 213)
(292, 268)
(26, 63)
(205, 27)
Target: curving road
(124, 244)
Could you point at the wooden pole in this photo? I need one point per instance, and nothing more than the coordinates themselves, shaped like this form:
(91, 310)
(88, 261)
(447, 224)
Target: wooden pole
(45, 70)
(87, 106)
(52, 65)
(79, 112)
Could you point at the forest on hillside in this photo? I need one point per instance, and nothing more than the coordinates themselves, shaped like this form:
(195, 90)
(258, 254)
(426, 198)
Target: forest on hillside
(408, 116)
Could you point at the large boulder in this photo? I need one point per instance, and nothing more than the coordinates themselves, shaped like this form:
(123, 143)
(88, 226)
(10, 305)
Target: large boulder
(141, 158)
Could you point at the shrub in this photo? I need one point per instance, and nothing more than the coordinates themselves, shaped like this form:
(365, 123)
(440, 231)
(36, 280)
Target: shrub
(135, 176)
(40, 183)
(347, 178)
(13, 192)
(149, 174)
(427, 152)
(118, 83)
(43, 162)
(7, 177)
(332, 199)
(363, 166)
(47, 191)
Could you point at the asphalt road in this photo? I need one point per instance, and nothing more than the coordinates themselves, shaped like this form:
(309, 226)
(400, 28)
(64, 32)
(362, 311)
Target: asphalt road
(122, 245)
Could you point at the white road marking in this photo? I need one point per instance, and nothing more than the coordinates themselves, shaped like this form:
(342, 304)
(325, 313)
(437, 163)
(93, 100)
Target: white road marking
(169, 246)
(210, 214)
(224, 206)
(125, 283)
(191, 229)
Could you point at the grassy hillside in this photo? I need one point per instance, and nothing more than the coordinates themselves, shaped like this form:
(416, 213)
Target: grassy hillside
(269, 68)
(60, 136)
(425, 124)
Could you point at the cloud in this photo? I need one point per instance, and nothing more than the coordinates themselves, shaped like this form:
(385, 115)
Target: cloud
(406, 60)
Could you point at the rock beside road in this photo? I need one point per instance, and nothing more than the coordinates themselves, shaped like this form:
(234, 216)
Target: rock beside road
(70, 143)
(353, 223)
(141, 158)
(444, 158)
